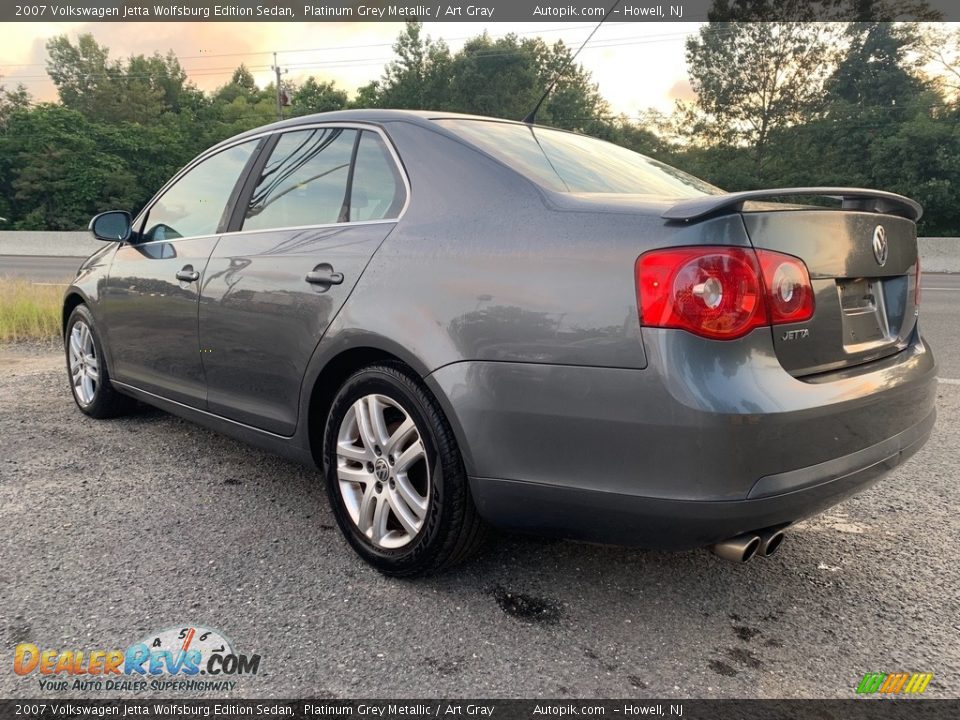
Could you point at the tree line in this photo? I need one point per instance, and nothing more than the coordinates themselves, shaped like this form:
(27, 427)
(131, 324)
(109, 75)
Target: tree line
(777, 104)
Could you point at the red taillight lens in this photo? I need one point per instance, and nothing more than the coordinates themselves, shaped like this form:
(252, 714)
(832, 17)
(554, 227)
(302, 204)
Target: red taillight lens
(721, 292)
(715, 292)
(789, 292)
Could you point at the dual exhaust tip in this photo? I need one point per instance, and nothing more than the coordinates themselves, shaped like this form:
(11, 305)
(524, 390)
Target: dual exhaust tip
(741, 548)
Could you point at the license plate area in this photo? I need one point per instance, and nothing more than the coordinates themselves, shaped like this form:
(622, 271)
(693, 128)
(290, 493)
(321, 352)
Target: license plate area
(863, 309)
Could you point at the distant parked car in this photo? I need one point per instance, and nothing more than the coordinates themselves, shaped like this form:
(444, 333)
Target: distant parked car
(467, 321)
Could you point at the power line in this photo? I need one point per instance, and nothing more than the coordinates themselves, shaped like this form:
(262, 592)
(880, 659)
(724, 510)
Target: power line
(338, 48)
(350, 62)
(623, 41)
(609, 42)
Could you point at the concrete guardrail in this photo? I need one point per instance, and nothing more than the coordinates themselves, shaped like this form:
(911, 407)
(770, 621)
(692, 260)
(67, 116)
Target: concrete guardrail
(936, 254)
(57, 243)
(940, 255)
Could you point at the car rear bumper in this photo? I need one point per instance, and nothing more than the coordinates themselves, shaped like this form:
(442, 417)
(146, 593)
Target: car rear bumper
(711, 440)
(610, 517)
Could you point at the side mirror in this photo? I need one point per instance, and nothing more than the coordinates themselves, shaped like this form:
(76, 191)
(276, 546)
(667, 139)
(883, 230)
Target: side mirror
(112, 226)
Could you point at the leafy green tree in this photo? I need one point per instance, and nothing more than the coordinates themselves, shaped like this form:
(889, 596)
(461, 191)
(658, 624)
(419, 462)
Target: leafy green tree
(778, 104)
(868, 94)
(920, 157)
(237, 106)
(495, 77)
(503, 78)
(316, 96)
(726, 166)
(58, 174)
(12, 100)
(162, 74)
(939, 47)
(575, 102)
(153, 153)
(876, 71)
(79, 71)
(753, 79)
(367, 96)
(417, 78)
(507, 76)
(241, 84)
(88, 81)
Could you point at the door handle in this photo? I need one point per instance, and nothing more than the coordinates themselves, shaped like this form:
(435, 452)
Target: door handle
(324, 275)
(188, 274)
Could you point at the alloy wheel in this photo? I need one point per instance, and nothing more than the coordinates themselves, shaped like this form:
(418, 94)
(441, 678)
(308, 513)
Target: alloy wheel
(84, 365)
(383, 472)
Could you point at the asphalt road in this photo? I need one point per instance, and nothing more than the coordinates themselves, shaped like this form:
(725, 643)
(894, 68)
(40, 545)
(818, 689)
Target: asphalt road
(118, 529)
(940, 320)
(40, 268)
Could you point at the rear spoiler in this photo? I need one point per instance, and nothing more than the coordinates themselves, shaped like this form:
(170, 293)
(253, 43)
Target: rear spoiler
(852, 198)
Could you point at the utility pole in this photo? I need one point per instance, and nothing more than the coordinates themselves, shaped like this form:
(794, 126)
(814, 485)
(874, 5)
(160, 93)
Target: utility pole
(276, 69)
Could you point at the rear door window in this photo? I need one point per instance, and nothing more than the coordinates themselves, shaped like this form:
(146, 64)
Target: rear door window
(378, 191)
(305, 180)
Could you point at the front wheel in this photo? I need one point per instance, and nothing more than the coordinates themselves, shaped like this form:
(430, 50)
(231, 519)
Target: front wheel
(89, 379)
(395, 477)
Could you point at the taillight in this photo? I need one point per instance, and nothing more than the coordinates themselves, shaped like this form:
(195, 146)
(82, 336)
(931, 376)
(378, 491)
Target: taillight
(715, 292)
(721, 292)
(789, 292)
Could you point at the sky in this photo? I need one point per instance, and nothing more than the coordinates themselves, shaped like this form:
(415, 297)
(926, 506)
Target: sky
(638, 66)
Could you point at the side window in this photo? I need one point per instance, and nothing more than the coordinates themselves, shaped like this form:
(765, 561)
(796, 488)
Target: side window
(305, 180)
(378, 191)
(194, 205)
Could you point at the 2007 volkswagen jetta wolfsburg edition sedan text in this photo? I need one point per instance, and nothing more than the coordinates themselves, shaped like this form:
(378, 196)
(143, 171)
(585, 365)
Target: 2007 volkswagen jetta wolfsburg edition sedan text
(469, 322)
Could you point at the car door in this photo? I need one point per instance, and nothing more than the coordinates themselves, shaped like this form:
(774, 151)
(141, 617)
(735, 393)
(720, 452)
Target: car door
(315, 209)
(150, 301)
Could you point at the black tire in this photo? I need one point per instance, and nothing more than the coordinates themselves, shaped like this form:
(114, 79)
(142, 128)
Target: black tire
(107, 402)
(452, 530)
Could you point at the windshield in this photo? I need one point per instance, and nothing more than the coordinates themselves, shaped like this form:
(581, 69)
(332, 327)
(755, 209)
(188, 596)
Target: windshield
(566, 162)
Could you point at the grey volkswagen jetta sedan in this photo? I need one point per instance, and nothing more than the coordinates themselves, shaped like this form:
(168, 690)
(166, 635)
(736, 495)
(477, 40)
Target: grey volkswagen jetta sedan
(469, 322)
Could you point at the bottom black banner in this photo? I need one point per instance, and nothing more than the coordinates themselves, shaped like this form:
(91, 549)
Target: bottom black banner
(853, 709)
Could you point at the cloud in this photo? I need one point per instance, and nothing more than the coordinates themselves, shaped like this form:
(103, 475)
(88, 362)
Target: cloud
(209, 52)
(632, 75)
(681, 90)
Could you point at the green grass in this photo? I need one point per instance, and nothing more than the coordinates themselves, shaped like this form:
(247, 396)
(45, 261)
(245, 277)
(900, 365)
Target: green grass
(29, 311)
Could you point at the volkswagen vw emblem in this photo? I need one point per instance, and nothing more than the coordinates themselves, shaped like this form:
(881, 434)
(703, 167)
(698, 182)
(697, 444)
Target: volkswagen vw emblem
(880, 247)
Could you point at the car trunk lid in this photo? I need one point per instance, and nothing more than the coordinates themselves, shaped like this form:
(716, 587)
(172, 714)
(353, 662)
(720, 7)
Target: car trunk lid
(865, 298)
(863, 267)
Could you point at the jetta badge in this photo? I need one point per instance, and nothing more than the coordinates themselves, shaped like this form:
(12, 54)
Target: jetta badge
(880, 247)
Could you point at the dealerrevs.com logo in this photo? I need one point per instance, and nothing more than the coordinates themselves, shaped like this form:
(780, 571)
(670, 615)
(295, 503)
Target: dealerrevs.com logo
(189, 658)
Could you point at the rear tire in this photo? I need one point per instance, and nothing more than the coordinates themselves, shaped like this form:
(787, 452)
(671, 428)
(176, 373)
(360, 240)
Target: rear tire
(395, 478)
(87, 369)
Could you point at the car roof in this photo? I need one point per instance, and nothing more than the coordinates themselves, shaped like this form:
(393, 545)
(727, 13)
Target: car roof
(371, 115)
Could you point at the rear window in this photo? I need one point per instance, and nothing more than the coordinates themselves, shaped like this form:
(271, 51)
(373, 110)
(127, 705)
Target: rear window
(305, 181)
(572, 163)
